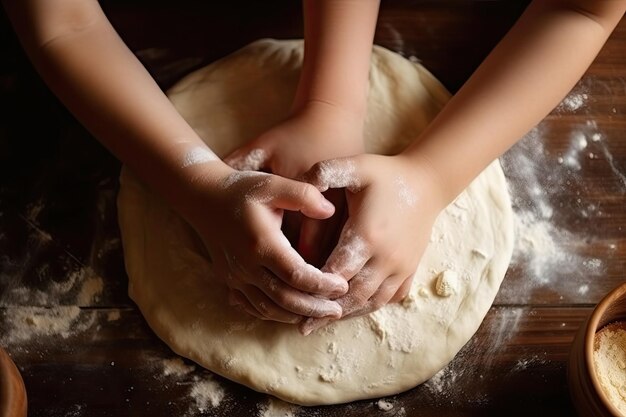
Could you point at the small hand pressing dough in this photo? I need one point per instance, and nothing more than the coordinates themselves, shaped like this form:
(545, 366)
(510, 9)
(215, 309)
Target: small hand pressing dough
(386, 352)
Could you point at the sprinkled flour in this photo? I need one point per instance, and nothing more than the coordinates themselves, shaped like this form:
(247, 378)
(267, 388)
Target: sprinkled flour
(198, 155)
(278, 408)
(575, 100)
(176, 366)
(331, 174)
(46, 316)
(549, 250)
(207, 394)
(253, 161)
(384, 405)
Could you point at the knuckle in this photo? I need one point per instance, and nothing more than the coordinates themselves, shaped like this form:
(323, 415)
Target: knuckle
(282, 299)
(258, 248)
(264, 308)
(308, 192)
(294, 277)
(395, 259)
(316, 170)
(370, 236)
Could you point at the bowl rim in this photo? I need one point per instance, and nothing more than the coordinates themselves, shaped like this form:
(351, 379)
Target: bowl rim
(590, 333)
(12, 389)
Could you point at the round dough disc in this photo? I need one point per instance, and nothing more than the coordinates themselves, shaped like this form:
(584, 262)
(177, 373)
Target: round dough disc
(386, 352)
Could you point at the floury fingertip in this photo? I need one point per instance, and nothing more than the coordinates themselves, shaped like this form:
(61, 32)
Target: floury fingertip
(311, 324)
(340, 285)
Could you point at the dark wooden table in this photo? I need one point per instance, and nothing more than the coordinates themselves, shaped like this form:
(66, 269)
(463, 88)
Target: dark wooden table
(84, 349)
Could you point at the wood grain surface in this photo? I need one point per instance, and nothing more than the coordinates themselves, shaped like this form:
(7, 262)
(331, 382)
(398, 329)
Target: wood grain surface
(60, 253)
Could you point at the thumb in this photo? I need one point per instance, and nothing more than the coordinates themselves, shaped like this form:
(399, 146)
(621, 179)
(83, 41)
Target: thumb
(248, 158)
(334, 173)
(294, 195)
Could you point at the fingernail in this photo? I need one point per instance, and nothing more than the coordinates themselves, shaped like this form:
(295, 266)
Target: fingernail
(334, 310)
(340, 285)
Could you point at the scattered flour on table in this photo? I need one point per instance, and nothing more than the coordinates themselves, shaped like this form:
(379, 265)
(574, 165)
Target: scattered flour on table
(26, 323)
(56, 310)
(609, 358)
(524, 363)
(384, 405)
(80, 287)
(474, 362)
(575, 100)
(278, 408)
(550, 248)
(176, 366)
(206, 393)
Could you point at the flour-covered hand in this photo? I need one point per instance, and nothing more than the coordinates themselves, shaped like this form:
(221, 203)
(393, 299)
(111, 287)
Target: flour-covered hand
(238, 215)
(317, 132)
(392, 205)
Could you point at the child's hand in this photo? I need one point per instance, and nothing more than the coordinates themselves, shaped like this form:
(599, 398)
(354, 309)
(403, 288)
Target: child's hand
(238, 215)
(316, 133)
(392, 204)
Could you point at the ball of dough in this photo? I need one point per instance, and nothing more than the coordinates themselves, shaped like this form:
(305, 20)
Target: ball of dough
(386, 352)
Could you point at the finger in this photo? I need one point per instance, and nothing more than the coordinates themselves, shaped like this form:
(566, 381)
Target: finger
(248, 158)
(362, 287)
(403, 291)
(298, 196)
(334, 173)
(310, 325)
(285, 263)
(242, 303)
(267, 308)
(298, 302)
(221, 270)
(350, 255)
(380, 298)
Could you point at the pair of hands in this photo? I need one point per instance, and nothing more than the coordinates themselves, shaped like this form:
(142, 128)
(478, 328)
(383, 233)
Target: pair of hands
(391, 204)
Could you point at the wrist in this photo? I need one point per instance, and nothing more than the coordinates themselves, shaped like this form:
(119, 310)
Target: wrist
(332, 112)
(198, 184)
(429, 179)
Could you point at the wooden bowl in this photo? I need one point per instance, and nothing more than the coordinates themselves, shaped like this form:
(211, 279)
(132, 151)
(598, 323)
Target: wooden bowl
(12, 391)
(585, 389)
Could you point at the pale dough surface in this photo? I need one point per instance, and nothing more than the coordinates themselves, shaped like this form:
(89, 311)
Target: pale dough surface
(389, 351)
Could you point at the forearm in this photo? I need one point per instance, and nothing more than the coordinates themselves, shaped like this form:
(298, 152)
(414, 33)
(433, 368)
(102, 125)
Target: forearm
(338, 45)
(524, 77)
(86, 64)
